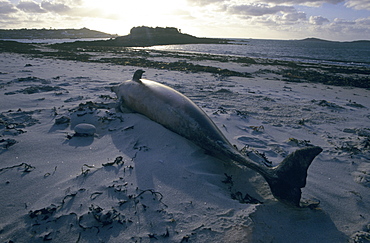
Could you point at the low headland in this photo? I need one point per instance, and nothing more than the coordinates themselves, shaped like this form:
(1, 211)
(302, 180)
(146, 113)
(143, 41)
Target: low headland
(52, 34)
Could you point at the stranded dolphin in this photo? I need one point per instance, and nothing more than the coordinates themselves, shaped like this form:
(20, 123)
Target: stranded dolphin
(179, 114)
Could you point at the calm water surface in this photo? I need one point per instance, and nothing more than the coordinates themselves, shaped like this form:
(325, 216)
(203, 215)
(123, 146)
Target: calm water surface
(342, 53)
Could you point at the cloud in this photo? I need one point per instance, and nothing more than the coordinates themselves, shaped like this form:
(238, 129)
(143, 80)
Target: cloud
(185, 14)
(296, 16)
(318, 20)
(7, 8)
(364, 21)
(75, 9)
(258, 9)
(279, 21)
(204, 2)
(59, 8)
(339, 21)
(342, 27)
(30, 7)
(304, 2)
(315, 3)
(358, 4)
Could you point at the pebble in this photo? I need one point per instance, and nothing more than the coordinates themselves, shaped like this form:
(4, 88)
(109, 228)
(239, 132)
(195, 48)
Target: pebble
(85, 130)
(62, 120)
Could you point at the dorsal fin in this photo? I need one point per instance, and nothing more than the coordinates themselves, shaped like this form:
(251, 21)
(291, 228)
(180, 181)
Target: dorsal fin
(137, 75)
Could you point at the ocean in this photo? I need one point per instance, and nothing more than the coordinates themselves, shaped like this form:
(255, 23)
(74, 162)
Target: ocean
(338, 53)
(311, 51)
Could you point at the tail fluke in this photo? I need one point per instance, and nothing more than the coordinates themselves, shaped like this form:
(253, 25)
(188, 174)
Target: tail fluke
(287, 179)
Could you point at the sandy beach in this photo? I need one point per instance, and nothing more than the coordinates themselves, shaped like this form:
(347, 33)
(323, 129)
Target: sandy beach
(135, 181)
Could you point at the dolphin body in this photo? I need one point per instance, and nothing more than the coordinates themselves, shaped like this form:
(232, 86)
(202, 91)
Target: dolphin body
(179, 114)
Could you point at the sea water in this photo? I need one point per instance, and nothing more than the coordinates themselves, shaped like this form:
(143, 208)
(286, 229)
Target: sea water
(339, 53)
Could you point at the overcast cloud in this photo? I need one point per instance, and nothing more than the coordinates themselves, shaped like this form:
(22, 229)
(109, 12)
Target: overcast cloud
(304, 2)
(258, 9)
(318, 20)
(6, 7)
(227, 18)
(30, 7)
(277, 2)
(358, 4)
(55, 7)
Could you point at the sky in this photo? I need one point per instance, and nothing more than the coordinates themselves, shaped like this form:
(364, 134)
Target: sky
(341, 20)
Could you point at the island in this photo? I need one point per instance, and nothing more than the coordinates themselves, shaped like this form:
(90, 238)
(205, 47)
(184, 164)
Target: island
(312, 39)
(317, 40)
(148, 36)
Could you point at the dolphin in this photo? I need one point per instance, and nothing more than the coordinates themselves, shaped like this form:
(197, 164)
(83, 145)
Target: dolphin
(179, 114)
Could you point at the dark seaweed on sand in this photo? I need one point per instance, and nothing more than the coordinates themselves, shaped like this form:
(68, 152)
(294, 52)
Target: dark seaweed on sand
(330, 76)
(89, 51)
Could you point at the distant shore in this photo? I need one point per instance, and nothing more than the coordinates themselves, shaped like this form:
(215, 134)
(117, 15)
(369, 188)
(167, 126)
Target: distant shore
(52, 34)
(322, 40)
(135, 34)
(139, 36)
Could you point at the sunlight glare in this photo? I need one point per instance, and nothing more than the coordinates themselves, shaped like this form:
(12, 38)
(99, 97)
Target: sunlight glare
(146, 9)
(120, 16)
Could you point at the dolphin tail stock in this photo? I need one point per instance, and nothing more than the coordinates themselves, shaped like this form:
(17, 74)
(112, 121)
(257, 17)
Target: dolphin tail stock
(287, 179)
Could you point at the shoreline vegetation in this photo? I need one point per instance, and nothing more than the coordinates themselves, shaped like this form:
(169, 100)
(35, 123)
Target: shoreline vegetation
(123, 51)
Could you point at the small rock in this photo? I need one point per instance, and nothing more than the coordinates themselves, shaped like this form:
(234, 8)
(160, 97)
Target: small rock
(62, 120)
(349, 130)
(85, 130)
